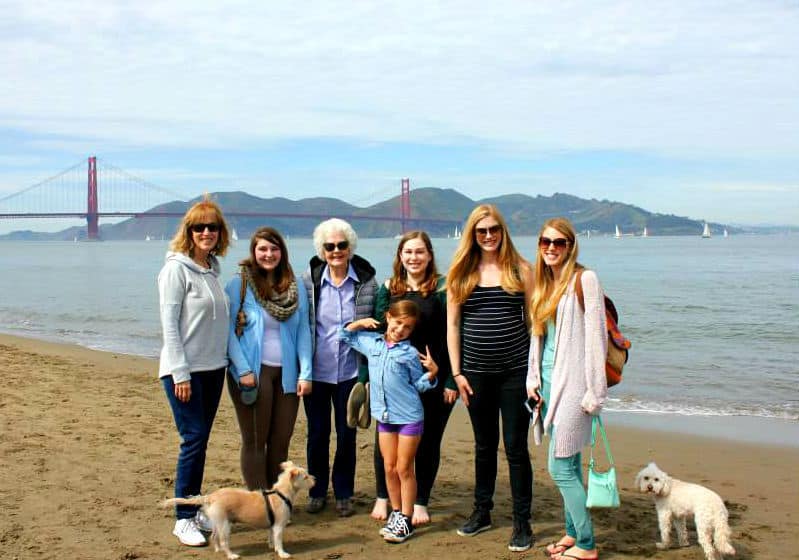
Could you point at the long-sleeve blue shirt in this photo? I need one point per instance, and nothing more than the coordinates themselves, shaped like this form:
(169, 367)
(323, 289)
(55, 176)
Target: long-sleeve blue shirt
(395, 377)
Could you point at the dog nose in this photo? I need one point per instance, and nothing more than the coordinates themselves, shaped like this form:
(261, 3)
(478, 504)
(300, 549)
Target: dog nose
(649, 487)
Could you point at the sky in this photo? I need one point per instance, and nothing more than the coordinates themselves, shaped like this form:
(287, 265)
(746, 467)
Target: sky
(682, 107)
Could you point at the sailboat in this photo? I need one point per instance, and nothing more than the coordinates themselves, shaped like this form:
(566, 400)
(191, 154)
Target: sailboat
(618, 232)
(726, 233)
(588, 234)
(147, 237)
(233, 234)
(457, 234)
(646, 232)
(706, 231)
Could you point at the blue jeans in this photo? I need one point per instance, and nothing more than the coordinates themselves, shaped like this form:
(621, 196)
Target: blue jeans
(193, 420)
(502, 393)
(317, 411)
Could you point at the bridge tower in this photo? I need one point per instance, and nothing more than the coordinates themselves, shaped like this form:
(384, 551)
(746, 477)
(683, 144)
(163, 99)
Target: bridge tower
(92, 226)
(405, 204)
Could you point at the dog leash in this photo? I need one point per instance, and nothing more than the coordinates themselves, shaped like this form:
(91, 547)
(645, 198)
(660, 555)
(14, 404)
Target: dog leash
(269, 513)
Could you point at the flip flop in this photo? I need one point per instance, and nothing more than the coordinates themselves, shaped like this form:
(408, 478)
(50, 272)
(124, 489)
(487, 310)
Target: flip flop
(355, 404)
(567, 555)
(556, 548)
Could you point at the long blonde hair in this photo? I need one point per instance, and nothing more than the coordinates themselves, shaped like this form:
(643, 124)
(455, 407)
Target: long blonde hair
(546, 293)
(202, 211)
(463, 272)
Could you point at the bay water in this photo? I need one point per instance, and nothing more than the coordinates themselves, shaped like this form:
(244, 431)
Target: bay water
(714, 322)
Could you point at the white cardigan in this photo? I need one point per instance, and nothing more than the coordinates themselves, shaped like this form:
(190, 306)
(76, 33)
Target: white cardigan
(579, 387)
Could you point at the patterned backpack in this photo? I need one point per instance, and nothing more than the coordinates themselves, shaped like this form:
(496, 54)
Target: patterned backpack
(618, 344)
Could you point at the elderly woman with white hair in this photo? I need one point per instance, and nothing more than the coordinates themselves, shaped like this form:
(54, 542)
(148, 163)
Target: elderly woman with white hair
(341, 288)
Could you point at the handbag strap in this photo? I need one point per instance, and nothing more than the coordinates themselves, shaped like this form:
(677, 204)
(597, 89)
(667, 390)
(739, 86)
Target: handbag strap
(597, 421)
(243, 289)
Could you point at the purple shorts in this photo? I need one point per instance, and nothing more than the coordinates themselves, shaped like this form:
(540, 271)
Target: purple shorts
(412, 429)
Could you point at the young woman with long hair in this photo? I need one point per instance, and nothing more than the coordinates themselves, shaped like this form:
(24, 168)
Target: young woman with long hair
(567, 372)
(270, 355)
(488, 286)
(416, 278)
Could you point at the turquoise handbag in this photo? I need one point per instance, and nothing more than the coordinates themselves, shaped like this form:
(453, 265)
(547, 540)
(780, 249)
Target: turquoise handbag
(602, 489)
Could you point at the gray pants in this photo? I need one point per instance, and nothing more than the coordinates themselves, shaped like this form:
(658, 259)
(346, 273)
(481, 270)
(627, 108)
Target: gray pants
(266, 428)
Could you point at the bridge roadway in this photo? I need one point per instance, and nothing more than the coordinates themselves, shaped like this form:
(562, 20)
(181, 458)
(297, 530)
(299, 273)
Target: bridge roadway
(351, 217)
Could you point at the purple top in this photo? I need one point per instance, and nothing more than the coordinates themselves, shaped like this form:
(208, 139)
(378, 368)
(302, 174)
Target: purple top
(334, 361)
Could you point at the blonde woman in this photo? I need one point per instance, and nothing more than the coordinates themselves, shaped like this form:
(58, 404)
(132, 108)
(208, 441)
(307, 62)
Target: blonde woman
(488, 343)
(567, 370)
(194, 321)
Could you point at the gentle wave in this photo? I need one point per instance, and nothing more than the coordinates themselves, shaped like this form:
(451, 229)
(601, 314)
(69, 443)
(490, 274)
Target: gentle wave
(783, 412)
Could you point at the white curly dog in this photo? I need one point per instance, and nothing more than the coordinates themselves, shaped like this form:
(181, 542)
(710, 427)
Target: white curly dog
(675, 500)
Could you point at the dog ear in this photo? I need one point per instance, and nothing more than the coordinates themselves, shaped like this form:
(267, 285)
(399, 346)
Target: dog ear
(638, 479)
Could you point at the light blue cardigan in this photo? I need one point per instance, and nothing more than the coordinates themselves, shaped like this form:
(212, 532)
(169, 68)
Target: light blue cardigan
(295, 338)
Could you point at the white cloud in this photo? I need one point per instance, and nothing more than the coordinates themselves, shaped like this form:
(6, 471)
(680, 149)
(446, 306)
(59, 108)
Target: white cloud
(670, 77)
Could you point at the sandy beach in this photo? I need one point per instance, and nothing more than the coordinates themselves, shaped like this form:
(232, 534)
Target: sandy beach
(88, 448)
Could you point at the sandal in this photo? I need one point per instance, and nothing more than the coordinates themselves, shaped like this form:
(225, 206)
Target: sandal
(556, 548)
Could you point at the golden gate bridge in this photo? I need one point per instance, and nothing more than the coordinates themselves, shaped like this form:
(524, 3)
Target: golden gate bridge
(96, 189)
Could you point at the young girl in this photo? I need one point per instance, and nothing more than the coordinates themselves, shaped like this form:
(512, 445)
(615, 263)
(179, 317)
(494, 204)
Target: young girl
(396, 379)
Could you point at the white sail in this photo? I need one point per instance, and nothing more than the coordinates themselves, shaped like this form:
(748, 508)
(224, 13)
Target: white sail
(233, 234)
(147, 237)
(726, 233)
(646, 232)
(706, 231)
(618, 232)
(457, 234)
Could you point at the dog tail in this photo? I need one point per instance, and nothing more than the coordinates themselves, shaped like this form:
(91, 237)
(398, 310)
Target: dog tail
(721, 539)
(192, 501)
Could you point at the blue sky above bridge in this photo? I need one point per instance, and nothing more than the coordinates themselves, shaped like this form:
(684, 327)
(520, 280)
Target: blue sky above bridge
(679, 107)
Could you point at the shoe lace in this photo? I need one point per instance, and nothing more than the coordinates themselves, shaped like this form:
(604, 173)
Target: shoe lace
(401, 525)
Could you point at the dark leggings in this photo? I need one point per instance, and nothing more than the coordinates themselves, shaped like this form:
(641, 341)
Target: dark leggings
(428, 454)
(266, 428)
(502, 393)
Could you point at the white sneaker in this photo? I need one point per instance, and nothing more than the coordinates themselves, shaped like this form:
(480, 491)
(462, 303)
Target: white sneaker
(187, 532)
(203, 523)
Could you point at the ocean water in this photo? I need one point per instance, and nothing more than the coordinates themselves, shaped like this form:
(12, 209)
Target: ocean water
(714, 322)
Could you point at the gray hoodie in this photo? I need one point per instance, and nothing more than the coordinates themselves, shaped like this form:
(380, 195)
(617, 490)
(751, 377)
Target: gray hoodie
(194, 317)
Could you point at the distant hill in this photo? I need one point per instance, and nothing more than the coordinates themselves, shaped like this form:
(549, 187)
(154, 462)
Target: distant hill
(524, 215)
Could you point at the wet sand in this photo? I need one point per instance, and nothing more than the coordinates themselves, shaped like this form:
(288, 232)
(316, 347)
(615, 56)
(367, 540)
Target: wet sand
(88, 448)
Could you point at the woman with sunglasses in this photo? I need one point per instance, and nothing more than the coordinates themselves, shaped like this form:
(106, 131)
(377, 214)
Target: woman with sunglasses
(341, 288)
(416, 278)
(194, 323)
(567, 370)
(488, 286)
(270, 355)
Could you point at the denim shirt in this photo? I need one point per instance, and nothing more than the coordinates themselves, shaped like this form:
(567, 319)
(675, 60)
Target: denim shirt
(395, 377)
(334, 362)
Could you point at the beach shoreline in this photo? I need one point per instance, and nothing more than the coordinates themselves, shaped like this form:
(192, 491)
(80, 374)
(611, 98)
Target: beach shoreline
(88, 448)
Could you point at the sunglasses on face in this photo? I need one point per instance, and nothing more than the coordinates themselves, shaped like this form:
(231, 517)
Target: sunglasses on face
(484, 231)
(559, 243)
(341, 245)
(199, 228)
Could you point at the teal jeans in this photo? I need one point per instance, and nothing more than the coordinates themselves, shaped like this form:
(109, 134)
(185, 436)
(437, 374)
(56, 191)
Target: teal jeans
(567, 473)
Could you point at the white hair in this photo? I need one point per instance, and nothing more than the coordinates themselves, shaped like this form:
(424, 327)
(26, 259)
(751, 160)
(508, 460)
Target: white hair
(329, 227)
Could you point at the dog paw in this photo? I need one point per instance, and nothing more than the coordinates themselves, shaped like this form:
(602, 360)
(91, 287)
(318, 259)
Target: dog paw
(284, 554)
(233, 556)
(661, 546)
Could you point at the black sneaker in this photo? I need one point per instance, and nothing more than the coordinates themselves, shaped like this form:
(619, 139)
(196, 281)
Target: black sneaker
(392, 518)
(522, 537)
(400, 531)
(478, 522)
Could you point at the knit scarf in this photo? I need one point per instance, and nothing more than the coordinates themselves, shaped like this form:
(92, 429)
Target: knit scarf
(280, 306)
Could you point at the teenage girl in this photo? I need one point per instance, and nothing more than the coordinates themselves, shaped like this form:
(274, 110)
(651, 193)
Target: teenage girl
(396, 378)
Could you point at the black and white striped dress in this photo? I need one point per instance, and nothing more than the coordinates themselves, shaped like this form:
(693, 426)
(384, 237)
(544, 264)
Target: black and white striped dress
(494, 336)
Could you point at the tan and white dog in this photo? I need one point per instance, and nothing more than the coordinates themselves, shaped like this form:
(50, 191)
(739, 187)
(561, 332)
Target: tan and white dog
(675, 500)
(270, 509)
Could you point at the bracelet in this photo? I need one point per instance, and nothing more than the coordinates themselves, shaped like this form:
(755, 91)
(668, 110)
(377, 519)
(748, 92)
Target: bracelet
(454, 375)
